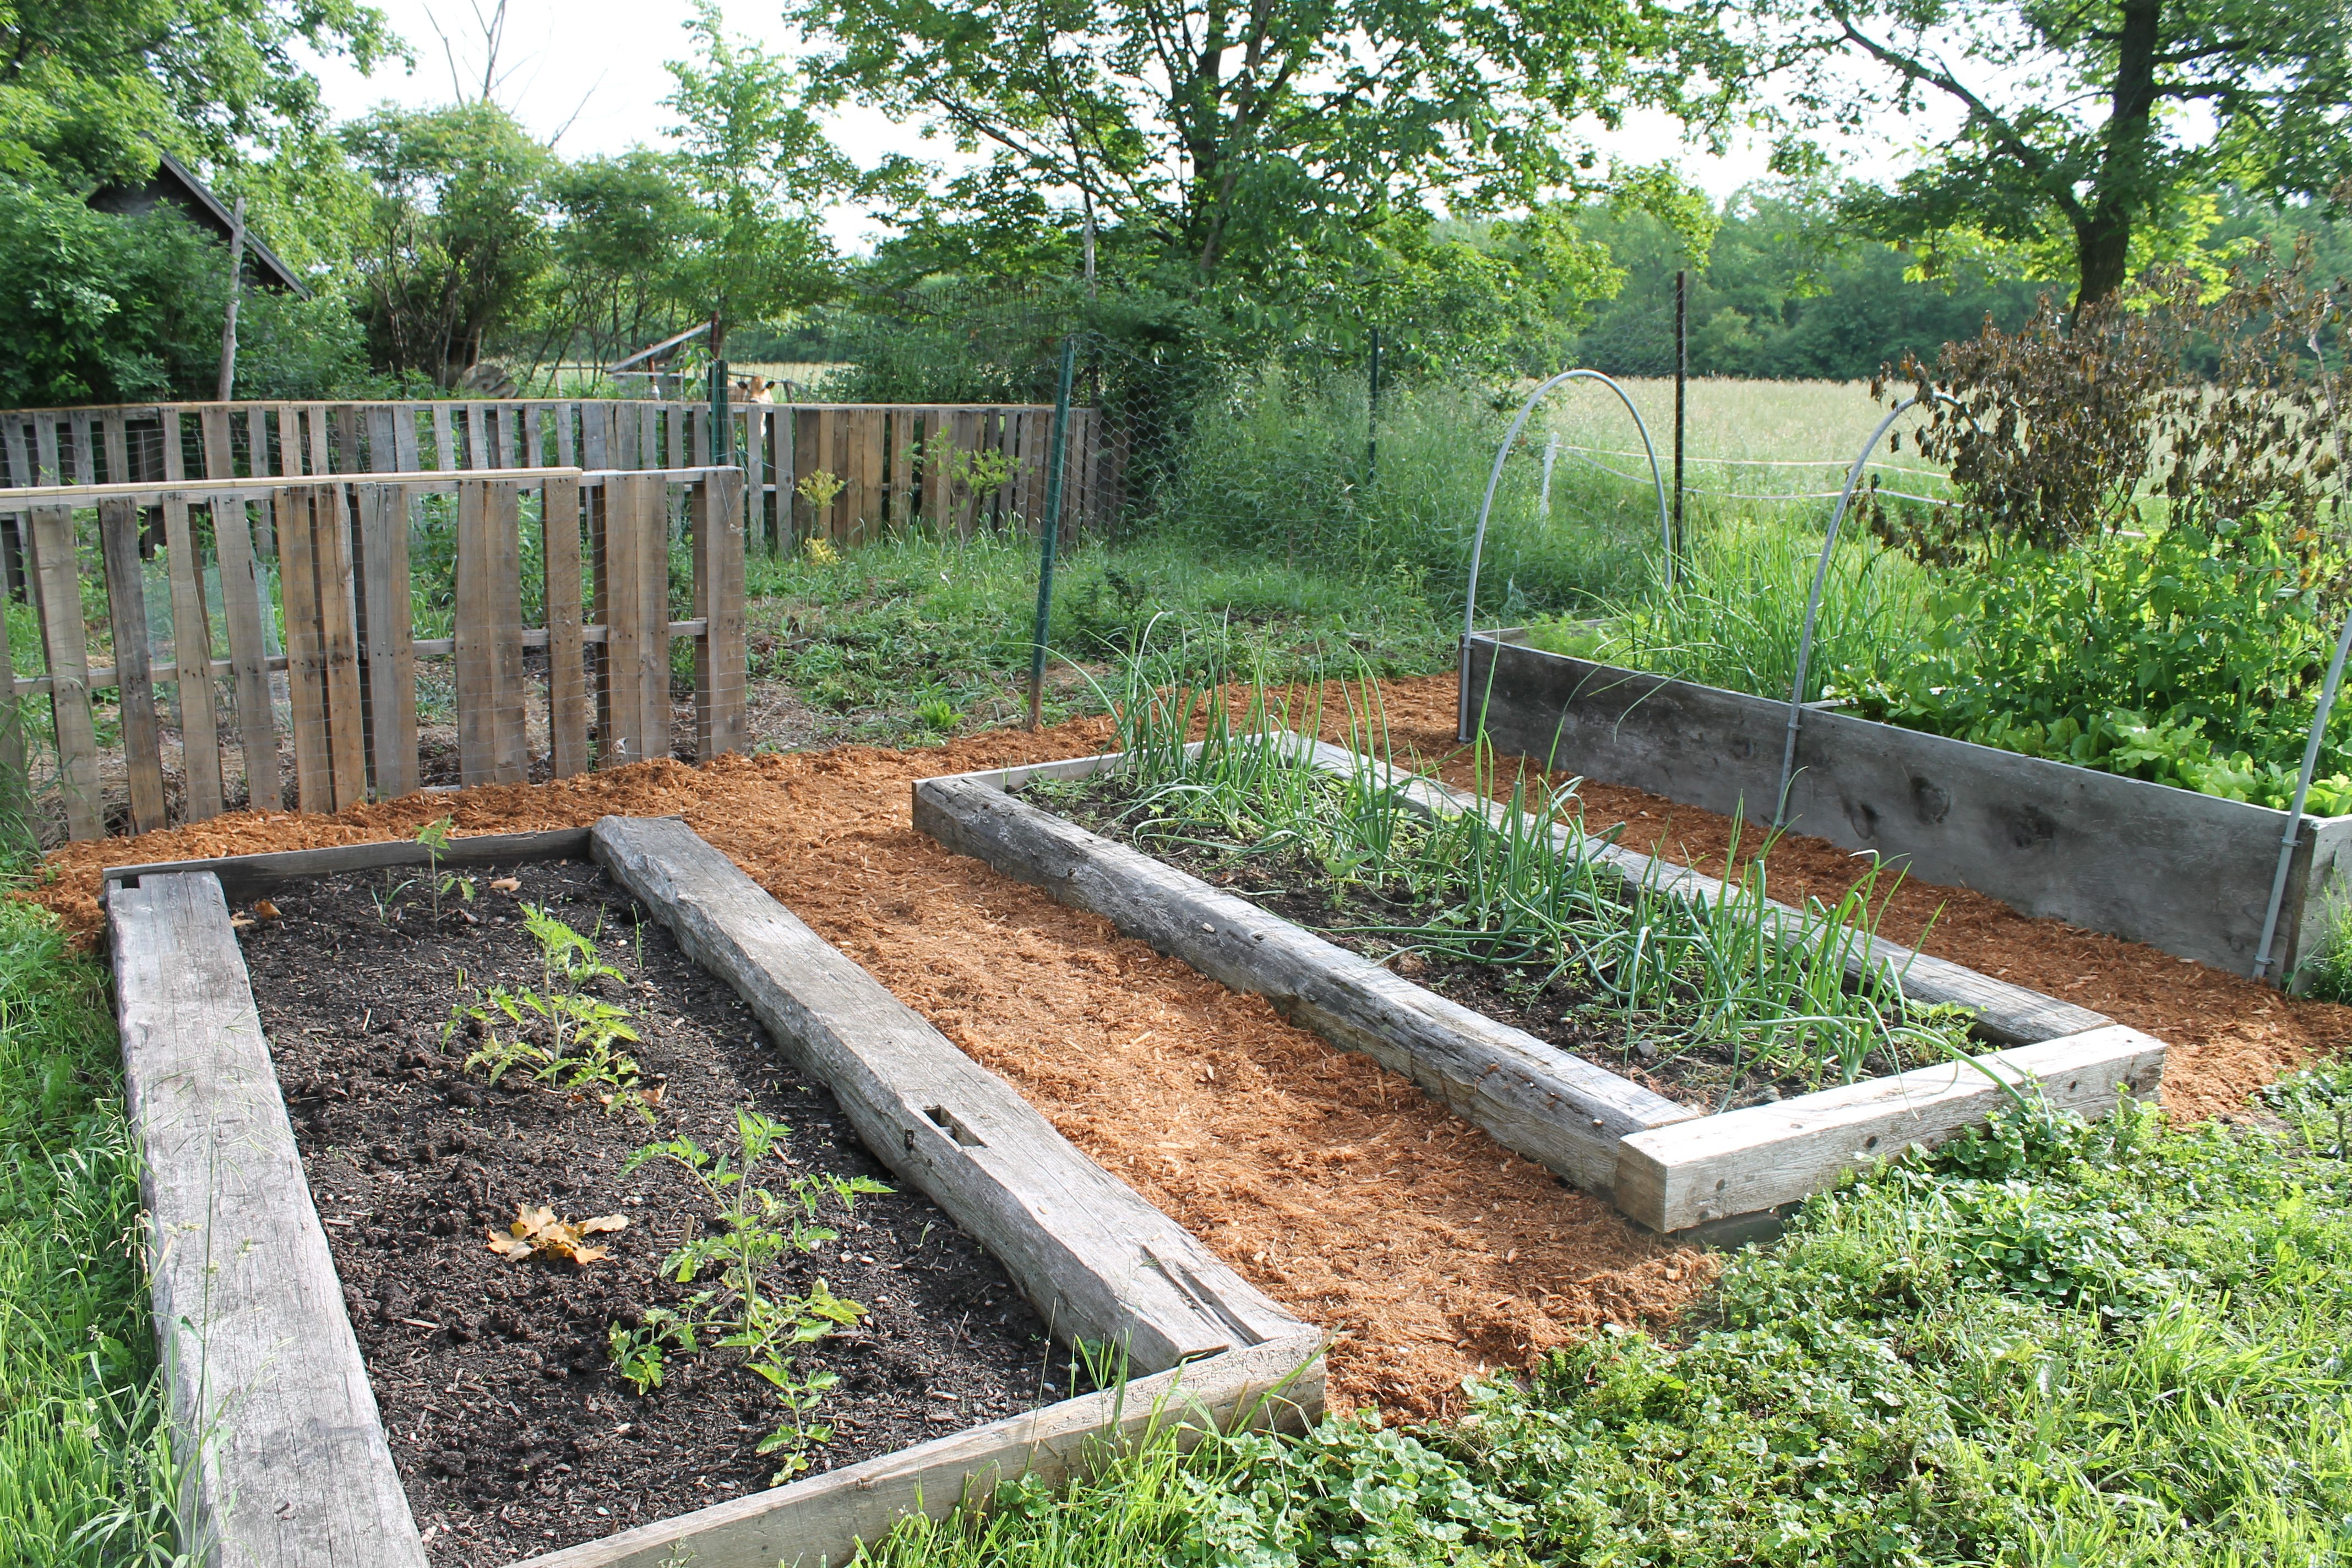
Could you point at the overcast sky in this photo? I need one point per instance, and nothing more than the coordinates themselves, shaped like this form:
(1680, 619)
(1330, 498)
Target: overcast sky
(593, 70)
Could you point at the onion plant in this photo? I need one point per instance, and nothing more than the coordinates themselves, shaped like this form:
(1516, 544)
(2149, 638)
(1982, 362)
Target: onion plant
(1224, 768)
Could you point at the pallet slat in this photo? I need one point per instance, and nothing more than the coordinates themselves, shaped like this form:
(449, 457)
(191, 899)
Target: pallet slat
(58, 581)
(489, 636)
(339, 648)
(391, 638)
(249, 650)
(192, 652)
(126, 605)
(306, 685)
(567, 672)
(719, 649)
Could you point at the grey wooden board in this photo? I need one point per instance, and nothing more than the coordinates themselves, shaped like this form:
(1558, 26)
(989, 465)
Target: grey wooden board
(1096, 1260)
(1531, 1097)
(271, 1410)
(241, 875)
(819, 1522)
(2185, 872)
(2006, 1014)
(1744, 1161)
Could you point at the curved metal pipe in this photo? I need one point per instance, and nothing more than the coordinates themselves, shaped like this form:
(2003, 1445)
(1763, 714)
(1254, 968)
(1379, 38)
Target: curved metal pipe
(1486, 506)
(1813, 600)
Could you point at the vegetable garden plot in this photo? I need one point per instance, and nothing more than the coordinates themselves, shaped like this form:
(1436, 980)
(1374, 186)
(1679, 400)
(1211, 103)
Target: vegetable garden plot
(2191, 874)
(1660, 956)
(544, 1053)
(533, 1382)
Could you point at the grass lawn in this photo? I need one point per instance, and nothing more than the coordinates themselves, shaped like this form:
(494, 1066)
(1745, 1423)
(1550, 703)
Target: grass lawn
(2056, 1344)
(85, 1474)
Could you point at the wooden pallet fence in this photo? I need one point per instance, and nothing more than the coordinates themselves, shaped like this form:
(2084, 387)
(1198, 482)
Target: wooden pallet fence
(340, 691)
(898, 465)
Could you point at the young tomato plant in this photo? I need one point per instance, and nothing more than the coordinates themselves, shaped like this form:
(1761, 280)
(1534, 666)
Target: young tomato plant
(756, 1228)
(563, 1037)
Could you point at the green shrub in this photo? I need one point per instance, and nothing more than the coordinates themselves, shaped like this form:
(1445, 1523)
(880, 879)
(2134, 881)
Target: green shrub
(2184, 658)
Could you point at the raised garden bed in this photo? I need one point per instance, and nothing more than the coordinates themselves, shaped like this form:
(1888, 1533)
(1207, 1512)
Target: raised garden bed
(2187, 873)
(1664, 1163)
(368, 1381)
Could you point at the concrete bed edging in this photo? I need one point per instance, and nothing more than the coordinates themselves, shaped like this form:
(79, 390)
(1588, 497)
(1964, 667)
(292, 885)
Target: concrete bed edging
(2187, 873)
(288, 1461)
(1724, 1176)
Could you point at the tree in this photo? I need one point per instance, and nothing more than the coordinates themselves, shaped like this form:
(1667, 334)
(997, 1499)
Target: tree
(2092, 123)
(456, 235)
(756, 163)
(1245, 140)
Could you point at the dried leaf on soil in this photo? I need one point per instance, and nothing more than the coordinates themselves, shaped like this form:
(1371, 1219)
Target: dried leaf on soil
(537, 1233)
(506, 884)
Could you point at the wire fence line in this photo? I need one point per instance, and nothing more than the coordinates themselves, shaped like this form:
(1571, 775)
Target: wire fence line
(1772, 495)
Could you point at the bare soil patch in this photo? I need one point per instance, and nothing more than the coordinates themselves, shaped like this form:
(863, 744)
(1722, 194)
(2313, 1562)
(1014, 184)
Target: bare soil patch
(512, 1432)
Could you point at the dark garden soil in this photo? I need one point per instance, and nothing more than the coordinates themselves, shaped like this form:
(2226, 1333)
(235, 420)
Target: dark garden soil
(512, 1433)
(1710, 1075)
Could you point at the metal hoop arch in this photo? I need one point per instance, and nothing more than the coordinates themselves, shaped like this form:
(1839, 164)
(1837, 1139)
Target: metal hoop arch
(1487, 507)
(1813, 599)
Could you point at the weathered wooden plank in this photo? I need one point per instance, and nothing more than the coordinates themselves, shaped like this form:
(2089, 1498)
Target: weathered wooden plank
(567, 445)
(44, 449)
(12, 706)
(719, 651)
(1096, 1260)
(382, 445)
(21, 473)
(567, 674)
(242, 875)
(826, 1518)
(339, 647)
(902, 466)
(85, 460)
(620, 573)
(1744, 1162)
(406, 457)
(192, 652)
(1552, 1107)
(391, 638)
(873, 472)
(126, 605)
(444, 438)
(220, 460)
(57, 577)
(755, 479)
(680, 452)
(652, 587)
(306, 685)
(596, 435)
(347, 440)
(490, 635)
(249, 650)
(963, 501)
(272, 1415)
(314, 417)
(175, 456)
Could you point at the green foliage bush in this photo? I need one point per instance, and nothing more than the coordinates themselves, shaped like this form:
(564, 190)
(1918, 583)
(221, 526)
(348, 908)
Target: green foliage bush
(97, 307)
(2182, 656)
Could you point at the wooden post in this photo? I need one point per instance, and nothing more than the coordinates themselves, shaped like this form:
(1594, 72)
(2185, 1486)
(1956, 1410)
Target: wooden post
(126, 605)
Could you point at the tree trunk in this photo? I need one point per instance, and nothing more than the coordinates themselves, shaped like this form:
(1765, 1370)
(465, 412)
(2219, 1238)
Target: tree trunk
(2103, 235)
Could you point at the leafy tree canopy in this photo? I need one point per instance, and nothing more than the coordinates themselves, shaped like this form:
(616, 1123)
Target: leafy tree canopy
(2090, 129)
(1235, 142)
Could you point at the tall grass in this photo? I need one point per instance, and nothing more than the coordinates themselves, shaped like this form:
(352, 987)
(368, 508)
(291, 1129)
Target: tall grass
(1737, 615)
(86, 1474)
(1678, 968)
(1282, 466)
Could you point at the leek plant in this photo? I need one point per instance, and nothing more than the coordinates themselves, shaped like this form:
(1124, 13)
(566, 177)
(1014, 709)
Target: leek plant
(1678, 963)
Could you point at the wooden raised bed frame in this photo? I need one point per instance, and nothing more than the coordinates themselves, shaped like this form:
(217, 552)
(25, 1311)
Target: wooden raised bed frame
(2185, 872)
(272, 1412)
(1722, 1176)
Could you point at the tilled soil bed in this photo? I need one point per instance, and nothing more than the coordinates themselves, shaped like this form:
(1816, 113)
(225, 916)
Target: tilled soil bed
(1708, 1074)
(513, 1432)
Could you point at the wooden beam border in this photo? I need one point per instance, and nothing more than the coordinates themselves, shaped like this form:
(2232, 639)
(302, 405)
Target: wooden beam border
(1725, 1176)
(200, 1080)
